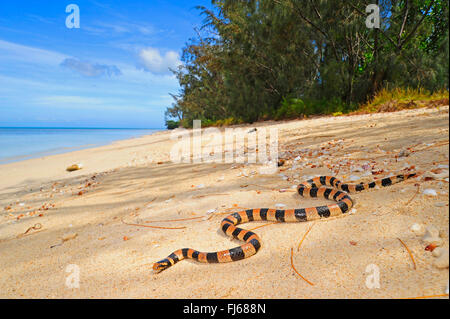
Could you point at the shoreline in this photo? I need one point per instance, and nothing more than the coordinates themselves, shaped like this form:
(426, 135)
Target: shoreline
(65, 149)
(84, 215)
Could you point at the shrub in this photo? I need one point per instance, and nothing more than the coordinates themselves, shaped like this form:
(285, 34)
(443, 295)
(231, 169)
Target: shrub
(172, 124)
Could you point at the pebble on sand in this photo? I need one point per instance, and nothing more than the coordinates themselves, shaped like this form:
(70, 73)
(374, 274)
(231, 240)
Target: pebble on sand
(418, 229)
(74, 167)
(442, 258)
(431, 236)
(429, 192)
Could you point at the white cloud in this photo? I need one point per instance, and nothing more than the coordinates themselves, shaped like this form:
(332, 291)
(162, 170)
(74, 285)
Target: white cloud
(86, 103)
(120, 28)
(68, 100)
(18, 52)
(150, 59)
(90, 69)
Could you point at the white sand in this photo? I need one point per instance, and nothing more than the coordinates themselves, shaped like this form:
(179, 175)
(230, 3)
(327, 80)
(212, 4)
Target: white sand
(130, 185)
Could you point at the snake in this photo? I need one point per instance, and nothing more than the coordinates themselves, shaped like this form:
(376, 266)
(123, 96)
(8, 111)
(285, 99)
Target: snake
(315, 187)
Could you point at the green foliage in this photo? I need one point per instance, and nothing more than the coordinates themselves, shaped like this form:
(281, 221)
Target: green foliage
(172, 124)
(228, 121)
(291, 108)
(283, 59)
(298, 108)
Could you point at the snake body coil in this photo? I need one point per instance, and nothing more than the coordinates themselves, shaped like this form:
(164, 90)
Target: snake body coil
(311, 188)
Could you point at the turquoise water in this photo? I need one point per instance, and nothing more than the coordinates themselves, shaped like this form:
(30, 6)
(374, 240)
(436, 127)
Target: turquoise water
(18, 144)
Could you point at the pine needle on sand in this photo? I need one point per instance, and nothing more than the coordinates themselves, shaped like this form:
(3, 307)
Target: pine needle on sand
(292, 265)
(409, 252)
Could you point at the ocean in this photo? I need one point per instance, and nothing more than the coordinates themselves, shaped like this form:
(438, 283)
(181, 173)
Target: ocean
(18, 144)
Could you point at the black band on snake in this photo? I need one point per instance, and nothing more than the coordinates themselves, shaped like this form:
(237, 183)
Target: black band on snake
(311, 188)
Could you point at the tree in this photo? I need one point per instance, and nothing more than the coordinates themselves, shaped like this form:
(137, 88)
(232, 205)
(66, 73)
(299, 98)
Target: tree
(250, 58)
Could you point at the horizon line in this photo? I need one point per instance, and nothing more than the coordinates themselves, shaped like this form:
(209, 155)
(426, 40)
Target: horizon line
(75, 127)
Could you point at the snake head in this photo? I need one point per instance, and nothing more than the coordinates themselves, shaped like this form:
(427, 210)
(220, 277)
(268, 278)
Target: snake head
(161, 265)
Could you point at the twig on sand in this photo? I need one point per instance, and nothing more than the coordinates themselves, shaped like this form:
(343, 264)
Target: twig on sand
(440, 143)
(431, 296)
(35, 227)
(414, 196)
(292, 265)
(173, 220)
(159, 227)
(271, 188)
(201, 196)
(304, 236)
(409, 252)
(263, 225)
(228, 212)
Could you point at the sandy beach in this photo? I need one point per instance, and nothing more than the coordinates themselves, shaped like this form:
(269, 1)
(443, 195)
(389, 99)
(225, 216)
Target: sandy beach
(82, 219)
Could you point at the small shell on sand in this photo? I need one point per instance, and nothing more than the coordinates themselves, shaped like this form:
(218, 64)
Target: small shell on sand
(430, 192)
(441, 262)
(438, 251)
(431, 236)
(439, 176)
(74, 167)
(418, 229)
(440, 204)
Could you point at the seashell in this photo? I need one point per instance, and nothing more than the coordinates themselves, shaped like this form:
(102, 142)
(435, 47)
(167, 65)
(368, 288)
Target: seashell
(74, 167)
(404, 153)
(429, 192)
(438, 251)
(440, 204)
(432, 175)
(357, 169)
(418, 229)
(441, 262)
(431, 236)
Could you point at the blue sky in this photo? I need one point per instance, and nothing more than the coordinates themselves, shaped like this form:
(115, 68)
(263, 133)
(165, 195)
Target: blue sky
(110, 72)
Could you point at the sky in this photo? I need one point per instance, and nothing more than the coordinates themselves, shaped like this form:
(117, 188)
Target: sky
(111, 71)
